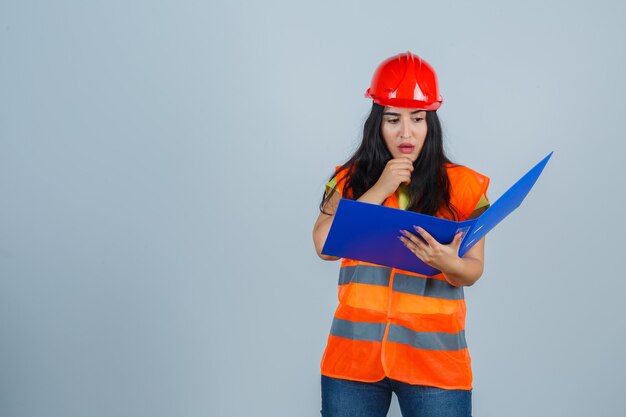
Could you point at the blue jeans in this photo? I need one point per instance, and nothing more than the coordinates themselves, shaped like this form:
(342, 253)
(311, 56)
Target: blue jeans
(344, 398)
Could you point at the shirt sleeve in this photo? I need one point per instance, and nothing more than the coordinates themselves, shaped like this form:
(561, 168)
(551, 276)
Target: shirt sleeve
(331, 184)
(337, 182)
(483, 202)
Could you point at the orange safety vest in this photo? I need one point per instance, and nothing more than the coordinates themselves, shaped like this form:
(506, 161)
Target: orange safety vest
(399, 324)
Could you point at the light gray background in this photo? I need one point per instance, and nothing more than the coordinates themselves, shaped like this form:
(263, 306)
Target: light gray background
(161, 163)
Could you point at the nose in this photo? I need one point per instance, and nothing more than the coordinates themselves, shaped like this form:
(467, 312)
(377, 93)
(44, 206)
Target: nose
(405, 129)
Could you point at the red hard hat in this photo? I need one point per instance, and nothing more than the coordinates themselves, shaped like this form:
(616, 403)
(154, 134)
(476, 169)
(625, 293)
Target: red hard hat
(405, 80)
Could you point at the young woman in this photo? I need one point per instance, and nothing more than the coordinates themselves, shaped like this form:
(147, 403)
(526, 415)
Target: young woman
(395, 330)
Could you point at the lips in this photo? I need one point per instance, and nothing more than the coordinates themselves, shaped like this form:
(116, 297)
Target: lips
(406, 147)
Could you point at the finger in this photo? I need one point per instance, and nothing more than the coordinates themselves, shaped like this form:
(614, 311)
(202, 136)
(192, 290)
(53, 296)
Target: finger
(402, 162)
(415, 240)
(401, 170)
(408, 164)
(402, 175)
(407, 161)
(427, 237)
(456, 242)
(405, 173)
(412, 247)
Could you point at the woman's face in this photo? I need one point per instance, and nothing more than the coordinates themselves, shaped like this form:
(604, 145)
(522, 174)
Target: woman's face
(404, 131)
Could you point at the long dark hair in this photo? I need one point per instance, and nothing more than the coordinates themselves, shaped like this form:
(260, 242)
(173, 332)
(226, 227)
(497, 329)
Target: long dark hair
(429, 189)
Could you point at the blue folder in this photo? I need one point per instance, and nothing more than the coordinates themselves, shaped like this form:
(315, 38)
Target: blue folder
(369, 232)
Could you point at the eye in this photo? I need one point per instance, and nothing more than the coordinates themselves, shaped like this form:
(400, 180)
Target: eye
(392, 121)
(418, 119)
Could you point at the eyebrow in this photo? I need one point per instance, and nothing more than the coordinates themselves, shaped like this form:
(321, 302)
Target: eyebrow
(388, 113)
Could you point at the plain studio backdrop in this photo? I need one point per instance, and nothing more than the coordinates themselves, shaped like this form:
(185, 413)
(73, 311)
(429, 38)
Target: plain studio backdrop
(161, 166)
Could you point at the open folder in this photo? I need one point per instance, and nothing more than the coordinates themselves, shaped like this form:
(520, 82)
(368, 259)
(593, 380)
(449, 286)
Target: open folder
(369, 232)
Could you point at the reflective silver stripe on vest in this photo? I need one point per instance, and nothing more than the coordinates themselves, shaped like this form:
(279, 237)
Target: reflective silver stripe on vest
(372, 332)
(365, 274)
(427, 340)
(427, 287)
